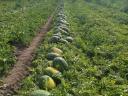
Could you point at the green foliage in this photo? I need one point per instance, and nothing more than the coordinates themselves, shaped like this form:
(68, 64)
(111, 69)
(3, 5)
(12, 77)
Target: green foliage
(116, 4)
(19, 27)
(98, 61)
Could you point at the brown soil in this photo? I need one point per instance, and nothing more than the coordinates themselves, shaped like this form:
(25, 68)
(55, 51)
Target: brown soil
(12, 82)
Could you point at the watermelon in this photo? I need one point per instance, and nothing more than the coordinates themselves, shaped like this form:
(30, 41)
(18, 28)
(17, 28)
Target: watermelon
(40, 93)
(56, 50)
(55, 39)
(62, 31)
(69, 39)
(46, 82)
(58, 34)
(64, 41)
(50, 71)
(51, 56)
(63, 22)
(60, 64)
(61, 17)
(54, 73)
(65, 28)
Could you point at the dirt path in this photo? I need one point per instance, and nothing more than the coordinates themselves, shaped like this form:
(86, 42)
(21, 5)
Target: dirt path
(12, 82)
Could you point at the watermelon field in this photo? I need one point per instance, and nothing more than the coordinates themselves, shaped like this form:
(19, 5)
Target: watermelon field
(63, 48)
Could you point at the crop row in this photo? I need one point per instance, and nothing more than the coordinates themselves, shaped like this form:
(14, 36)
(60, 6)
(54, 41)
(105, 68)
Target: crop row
(102, 39)
(15, 5)
(52, 75)
(18, 28)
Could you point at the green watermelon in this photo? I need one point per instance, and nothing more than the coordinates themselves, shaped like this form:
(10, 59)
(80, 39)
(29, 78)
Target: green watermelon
(60, 64)
(55, 39)
(63, 22)
(51, 56)
(64, 41)
(62, 31)
(40, 93)
(61, 17)
(69, 39)
(65, 28)
(58, 34)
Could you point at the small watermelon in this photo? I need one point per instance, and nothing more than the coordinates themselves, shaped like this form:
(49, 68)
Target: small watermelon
(62, 16)
(63, 22)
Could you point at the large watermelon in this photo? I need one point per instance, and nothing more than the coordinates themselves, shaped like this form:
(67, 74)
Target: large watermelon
(50, 71)
(65, 28)
(56, 50)
(69, 39)
(51, 56)
(60, 64)
(63, 32)
(46, 82)
(64, 41)
(54, 73)
(55, 39)
(58, 34)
